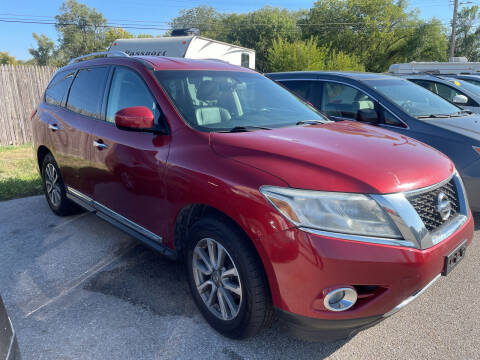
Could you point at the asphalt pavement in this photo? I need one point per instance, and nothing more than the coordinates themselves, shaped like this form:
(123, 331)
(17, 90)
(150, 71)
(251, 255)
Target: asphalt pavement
(78, 288)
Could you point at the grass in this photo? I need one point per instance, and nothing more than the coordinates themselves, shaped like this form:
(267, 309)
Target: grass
(19, 175)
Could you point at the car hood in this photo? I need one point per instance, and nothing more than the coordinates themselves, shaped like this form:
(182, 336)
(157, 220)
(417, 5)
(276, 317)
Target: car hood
(464, 125)
(342, 156)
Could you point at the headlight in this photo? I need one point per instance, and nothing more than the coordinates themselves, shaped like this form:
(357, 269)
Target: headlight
(329, 211)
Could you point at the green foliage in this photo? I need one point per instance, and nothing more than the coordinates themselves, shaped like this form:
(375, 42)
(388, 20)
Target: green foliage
(19, 175)
(113, 34)
(379, 32)
(141, 36)
(256, 30)
(348, 34)
(6, 59)
(44, 52)
(81, 30)
(429, 42)
(307, 55)
(468, 34)
(204, 18)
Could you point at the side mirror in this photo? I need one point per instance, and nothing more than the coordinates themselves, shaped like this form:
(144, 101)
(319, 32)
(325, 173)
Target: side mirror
(368, 116)
(460, 99)
(134, 118)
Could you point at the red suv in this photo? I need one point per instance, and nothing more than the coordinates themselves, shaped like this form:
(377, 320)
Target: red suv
(275, 209)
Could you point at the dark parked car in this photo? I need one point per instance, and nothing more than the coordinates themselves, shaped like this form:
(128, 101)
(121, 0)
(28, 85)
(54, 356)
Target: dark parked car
(394, 103)
(459, 92)
(8, 339)
(275, 208)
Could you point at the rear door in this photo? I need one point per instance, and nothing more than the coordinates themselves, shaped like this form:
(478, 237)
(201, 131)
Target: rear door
(54, 118)
(78, 118)
(129, 166)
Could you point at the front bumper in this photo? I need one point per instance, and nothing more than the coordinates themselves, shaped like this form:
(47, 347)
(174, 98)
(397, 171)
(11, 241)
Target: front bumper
(330, 330)
(306, 264)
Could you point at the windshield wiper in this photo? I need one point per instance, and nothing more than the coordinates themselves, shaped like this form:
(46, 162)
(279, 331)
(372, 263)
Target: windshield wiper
(309, 122)
(433, 116)
(245, 128)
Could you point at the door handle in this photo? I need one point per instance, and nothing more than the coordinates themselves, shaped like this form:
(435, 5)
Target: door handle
(99, 144)
(53, 127)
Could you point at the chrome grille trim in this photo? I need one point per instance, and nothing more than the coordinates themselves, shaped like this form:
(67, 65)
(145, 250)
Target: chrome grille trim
(425, 204)
(409, 222)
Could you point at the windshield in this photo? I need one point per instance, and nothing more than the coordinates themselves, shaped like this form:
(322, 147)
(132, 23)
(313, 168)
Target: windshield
(412, 98)
(226, 100)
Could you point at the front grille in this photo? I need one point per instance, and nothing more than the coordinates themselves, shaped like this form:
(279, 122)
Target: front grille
(426, 205)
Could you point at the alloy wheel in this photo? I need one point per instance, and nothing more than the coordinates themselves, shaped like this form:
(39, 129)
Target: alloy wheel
(52, 185)
(217, 279)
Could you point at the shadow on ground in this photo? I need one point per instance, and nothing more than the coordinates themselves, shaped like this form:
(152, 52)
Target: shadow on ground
(144, 278)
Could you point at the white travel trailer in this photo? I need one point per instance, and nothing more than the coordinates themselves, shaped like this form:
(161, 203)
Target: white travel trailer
(191, 47)
(455, 66)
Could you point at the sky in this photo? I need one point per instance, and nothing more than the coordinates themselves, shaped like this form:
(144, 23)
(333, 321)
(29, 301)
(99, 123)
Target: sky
(16, 38)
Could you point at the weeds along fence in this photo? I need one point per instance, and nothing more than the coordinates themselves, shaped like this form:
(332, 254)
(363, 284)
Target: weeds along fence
(21, 88)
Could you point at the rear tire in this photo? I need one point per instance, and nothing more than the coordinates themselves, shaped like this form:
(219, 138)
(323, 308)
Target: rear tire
(227, 279)
(55, 190)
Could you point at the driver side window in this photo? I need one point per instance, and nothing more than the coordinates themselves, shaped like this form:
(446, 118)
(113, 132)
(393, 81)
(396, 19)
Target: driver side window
(128, 89)
(343, 101)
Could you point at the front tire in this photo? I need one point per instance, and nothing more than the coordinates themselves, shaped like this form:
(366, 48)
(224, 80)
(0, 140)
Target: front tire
(227, 280)
(55, 190)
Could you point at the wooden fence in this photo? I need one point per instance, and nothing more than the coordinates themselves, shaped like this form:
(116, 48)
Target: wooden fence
(21, 88)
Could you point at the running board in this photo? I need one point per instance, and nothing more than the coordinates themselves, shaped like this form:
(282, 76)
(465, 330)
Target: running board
(121, 222)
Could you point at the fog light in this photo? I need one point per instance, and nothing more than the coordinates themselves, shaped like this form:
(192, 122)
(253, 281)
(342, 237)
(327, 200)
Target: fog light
(340, 299)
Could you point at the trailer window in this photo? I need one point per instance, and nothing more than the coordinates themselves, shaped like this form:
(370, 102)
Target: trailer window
(245, 60)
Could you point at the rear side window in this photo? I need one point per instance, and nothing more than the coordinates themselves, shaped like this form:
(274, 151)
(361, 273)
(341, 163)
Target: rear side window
(128, 89)
(86, 93)
(57, 89)
(306, 89)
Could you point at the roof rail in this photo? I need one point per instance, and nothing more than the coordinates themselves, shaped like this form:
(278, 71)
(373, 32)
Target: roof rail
(99, 54)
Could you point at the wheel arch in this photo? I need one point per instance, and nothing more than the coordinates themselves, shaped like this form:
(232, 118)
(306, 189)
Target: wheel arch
(42, 151)
(190, 213)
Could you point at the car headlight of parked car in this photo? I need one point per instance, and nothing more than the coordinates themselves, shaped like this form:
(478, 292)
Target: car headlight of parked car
(348, 213)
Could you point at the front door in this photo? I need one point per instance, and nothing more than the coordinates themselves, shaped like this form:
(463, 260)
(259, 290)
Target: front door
(129, 166)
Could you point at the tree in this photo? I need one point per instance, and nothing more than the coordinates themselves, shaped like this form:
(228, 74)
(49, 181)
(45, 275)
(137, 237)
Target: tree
(81, 30)
(44, 52)
(204, 18)
(258, 29)
(429, 42)
(7, 59)
(141, 36)
(467, 42)
(113, 34)
(255, 30)
(379, 32)
(307, 55)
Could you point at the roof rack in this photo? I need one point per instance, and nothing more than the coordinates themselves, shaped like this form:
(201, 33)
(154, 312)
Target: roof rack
(99, 54)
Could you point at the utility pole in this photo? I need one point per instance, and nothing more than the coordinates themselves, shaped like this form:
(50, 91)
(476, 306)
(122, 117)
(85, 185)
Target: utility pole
(454, 29)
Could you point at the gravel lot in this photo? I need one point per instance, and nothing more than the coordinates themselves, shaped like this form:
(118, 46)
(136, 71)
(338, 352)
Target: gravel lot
(77, 288)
